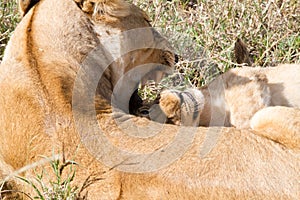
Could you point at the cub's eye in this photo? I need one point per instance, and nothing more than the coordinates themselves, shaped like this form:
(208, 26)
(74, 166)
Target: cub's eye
(144, 112)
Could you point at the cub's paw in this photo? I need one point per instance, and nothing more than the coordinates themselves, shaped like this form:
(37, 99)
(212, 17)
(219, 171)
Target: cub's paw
(170, 103)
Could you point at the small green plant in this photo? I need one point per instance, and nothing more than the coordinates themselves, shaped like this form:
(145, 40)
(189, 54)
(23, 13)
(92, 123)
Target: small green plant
(60, 188)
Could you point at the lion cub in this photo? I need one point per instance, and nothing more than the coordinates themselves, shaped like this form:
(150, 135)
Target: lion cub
(220, 104)
(235, 96)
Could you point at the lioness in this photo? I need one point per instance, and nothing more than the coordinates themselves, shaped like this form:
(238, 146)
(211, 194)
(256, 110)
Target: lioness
(47, 102)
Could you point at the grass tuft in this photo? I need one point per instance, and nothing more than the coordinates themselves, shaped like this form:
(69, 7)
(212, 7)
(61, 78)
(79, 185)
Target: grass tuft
(59, 187)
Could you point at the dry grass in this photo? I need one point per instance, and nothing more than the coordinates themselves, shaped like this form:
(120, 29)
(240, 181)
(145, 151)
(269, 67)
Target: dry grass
(9, 18)
(203, 32)
(208, 29)
(270, 28)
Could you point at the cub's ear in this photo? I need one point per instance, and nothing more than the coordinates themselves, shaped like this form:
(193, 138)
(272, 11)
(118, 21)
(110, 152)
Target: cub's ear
(26, 5)
(281, 124)
(241, 53)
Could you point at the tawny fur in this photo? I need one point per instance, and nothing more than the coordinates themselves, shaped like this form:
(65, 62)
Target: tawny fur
(271, 122)
(235, 96)
(246, 90)
(37, 75)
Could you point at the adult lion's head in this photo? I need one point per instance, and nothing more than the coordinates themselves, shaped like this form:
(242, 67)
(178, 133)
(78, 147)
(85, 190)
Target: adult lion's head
(66, 55)
(117, 33)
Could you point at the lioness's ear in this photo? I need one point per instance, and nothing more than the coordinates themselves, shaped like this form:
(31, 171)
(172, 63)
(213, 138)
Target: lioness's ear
(26, 5)
(117, 8)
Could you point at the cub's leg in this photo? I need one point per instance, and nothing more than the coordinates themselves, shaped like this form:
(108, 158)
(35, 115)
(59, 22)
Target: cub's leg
(281, 124)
